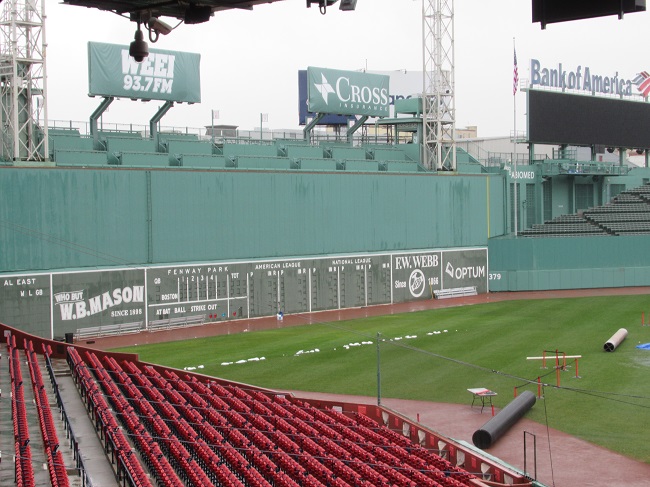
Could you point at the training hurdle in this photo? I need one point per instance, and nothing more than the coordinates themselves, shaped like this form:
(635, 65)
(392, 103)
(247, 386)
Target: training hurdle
(558, 367)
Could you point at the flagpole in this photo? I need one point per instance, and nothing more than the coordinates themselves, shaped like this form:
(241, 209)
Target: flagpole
(514, 139)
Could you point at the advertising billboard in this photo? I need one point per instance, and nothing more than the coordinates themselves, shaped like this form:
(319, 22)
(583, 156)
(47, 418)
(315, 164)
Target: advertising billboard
(347, 92)
(87, 299)
(403, 84)
(163, 75)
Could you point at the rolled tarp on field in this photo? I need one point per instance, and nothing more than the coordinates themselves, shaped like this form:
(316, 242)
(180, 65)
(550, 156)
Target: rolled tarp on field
(499, 424)
(615, 341)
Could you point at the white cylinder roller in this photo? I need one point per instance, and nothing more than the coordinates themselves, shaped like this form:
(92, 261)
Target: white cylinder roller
(615, 341)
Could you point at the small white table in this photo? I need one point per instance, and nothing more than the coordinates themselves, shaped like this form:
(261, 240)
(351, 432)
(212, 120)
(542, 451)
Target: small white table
(485, 395)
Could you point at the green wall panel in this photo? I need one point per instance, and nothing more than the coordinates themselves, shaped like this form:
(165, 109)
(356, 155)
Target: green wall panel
(61, 218)
(78, 218)
(568, 263)
(238, 215)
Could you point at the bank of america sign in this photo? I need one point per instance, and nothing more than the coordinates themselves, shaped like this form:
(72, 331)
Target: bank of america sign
(347, 92)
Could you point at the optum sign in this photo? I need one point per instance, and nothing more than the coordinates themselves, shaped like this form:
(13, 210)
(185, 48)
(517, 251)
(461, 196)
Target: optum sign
(347, 92)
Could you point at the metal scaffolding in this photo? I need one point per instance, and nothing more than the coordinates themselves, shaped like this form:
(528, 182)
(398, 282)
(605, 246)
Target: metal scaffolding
(23, 92)
(438, 97)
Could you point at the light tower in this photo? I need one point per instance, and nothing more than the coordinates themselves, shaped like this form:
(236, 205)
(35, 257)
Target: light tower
(438, 97)
(23, 93)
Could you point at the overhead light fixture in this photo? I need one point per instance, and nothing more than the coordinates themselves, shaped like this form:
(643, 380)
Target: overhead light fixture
(139, 49)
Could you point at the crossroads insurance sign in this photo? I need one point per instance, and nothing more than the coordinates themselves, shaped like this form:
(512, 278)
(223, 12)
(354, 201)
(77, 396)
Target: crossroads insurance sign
(163, 75)
(347, 92)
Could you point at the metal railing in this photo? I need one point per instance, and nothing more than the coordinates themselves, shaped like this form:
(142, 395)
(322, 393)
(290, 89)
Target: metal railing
(552, 168)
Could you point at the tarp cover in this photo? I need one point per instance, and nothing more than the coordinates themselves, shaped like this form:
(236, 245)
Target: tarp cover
(644, 346)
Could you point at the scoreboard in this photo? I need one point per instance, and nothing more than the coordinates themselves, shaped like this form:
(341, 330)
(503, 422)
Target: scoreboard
(52, 304)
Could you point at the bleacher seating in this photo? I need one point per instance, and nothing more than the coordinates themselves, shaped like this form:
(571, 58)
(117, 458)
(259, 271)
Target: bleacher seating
(345, 152)
(386, 154)
(175, 146)
(78, 157)
(627, 214)
(262, 162)
(300, 151)
(402, 166)
(360, 165)
(230, 149)
(140, 159)
(307, 164)
(202, 161)
(130, 144)
(131, 149)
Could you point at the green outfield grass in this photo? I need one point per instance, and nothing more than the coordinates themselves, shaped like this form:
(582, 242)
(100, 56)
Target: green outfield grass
(436, 355)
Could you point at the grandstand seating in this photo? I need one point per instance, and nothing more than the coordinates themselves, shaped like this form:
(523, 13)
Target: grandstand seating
(23, 450)
(130, 144)
(402, 166)
(225, 435)
(300, 151)
(262, 162)
(359, 165)
(55, 462)
(386, 154)
(175, 146)
(307, 164)
(139, 159)
(78, 157)
(344, 152)
(627, 214)
(171, 428)
(202, 161)
(130, 149)
(232, 149)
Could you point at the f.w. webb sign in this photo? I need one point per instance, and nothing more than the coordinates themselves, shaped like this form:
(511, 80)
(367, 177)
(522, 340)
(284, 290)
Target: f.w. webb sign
(347, 92)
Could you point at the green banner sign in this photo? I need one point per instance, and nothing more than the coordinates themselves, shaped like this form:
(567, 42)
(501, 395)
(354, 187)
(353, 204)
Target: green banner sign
(163, 75)
(347, 92)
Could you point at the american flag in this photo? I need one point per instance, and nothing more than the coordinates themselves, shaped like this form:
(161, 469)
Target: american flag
(515, 79)
(642, 82)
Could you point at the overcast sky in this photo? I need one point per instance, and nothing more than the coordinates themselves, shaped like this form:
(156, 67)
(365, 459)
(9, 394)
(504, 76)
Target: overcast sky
(250, 59)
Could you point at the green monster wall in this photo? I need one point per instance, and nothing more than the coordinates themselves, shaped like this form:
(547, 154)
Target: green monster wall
(84, 247)
(79, 218)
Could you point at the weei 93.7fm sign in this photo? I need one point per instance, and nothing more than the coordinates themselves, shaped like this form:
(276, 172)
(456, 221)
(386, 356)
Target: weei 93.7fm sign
(347, 92)
(163, 75)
